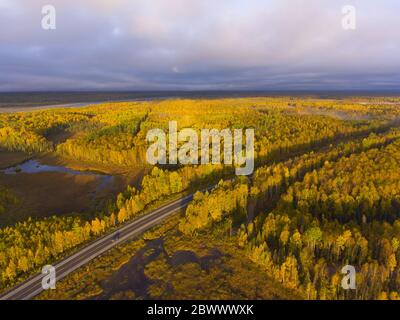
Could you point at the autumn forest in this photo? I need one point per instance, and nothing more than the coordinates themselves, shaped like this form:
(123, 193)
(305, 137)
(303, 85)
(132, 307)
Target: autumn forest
(325, 193)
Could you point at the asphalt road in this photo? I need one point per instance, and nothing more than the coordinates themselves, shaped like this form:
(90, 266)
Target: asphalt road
(33, 286)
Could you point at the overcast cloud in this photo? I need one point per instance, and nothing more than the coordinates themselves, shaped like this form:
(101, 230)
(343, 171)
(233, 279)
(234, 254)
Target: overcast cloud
(199, 44)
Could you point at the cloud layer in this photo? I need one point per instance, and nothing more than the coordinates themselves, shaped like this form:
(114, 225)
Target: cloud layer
(199, 44)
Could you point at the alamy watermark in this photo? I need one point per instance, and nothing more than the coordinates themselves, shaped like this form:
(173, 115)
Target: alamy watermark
(349, 280)
(349, 20)
(183, 147)
(49, 279)
(49, 17)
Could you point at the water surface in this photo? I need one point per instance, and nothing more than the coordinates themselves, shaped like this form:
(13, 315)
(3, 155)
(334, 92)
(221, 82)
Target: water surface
(33, 167)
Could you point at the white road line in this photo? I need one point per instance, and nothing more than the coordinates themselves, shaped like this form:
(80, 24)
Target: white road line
(100, 241)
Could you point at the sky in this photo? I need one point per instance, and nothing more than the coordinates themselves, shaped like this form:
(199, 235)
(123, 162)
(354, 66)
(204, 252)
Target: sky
(199, 45)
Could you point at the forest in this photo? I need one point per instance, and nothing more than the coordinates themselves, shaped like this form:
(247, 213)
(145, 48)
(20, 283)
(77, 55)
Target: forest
(333, 208)
(325, 192)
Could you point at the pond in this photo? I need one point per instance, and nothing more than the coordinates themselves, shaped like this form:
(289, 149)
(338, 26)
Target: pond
(33, 166)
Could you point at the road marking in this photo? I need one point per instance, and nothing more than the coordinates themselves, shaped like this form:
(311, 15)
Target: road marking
(78, 255)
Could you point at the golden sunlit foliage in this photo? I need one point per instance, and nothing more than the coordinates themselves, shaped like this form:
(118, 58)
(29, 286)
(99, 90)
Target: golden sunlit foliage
(335, 207)
(326, 192)
(114, 133)
(346, 212)
(226, 199)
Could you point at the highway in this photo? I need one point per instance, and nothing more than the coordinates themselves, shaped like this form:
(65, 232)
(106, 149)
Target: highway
(33, 286)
